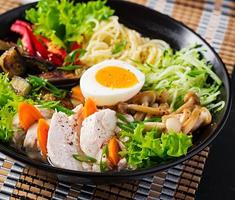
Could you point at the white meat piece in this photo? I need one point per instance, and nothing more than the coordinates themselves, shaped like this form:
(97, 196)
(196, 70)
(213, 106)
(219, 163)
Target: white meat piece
(31, 144)
(18, 133)
(97, 129)
(62, 143)
(30, 141)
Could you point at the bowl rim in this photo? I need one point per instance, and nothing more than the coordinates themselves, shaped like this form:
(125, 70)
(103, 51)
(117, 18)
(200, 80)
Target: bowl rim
(137, 172)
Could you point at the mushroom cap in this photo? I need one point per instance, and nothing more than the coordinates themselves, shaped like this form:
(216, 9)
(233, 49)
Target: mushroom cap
(191, 96)
(145, 97)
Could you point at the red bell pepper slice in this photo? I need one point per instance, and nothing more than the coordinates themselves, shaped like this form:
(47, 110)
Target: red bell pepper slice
(26, 39)
(25, 30)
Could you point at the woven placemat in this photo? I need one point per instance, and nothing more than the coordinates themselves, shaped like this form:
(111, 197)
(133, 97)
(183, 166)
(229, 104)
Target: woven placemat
(215, 21)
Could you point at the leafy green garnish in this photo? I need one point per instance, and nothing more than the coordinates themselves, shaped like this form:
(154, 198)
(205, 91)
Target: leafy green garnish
(71, 59)
(19, 43)
(103, 165)
(153, 119)
(84, 158)
(64, 22)
(183, 71)
(55, 105)
(145, 148)
(69, 67)
(38, 84)
(75, 55)
(118, 47)
(9, 102)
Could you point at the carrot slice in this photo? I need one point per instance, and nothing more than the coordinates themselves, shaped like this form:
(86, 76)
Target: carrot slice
(28, 114)
(89, 108)
(113, 149)
(77, 94)
(42, 134)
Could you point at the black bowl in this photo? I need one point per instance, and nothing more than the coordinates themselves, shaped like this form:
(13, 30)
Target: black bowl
(154, 25)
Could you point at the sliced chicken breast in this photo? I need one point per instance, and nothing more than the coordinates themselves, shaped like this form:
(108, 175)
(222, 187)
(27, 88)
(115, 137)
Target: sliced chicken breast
(62, 142)
(30, 143)
(97, 129)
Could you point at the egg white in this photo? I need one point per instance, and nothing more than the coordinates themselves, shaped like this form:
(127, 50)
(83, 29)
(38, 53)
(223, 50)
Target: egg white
(105, 96)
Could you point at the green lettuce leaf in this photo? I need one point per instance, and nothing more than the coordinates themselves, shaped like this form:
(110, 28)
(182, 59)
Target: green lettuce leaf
(64, 21)
(145, 148)
(9, 102)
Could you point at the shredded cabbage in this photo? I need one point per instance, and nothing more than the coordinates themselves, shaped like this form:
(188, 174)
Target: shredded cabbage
(183, 71)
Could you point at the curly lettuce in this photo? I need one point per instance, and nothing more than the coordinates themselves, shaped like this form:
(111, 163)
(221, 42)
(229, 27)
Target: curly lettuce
(9, 102)
(142, 149)
(64, 21)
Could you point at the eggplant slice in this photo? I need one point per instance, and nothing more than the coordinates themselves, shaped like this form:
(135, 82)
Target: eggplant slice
(61, 79)
(15, 63)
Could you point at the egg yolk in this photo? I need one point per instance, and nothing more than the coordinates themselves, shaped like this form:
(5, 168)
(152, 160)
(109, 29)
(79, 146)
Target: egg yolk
(116, 77)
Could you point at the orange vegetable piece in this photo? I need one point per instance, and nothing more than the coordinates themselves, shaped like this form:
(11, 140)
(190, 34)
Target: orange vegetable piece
(28, 114)
(77, 94)
(42, 134)
(113, 149)
(89, 108)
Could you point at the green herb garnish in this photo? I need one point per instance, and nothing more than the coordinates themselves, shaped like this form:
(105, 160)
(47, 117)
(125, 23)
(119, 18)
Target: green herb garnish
(55, 105)
(40, 83)
(118, 47)
(84, 158)
(103, 165)
(69, 67)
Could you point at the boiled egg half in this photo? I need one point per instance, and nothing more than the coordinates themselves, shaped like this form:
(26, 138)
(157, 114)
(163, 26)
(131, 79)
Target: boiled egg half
(110, 82)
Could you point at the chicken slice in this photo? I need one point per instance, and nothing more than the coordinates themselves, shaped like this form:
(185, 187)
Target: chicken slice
(97, 129)
(62, 142)
(30, 143)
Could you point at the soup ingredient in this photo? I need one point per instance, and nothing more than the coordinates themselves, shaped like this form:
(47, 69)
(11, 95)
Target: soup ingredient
(8, 104)
(31, 146)
(118, 47)
(15, 63)
(142, 149)
(37, 45)
(62, 141)
(97, 129)
(115, 77)
(112, 40)
(20, 85)
(113, 150)
(104, 90)
(183, 71)
(145, 105)
(76, 21)
(25, 30)
(40, 83)
(11, 62)
(6, 45)
(83, 158)
(28, 115)
(42, 134)
(89, 108)
(77, 94)
(55, 105)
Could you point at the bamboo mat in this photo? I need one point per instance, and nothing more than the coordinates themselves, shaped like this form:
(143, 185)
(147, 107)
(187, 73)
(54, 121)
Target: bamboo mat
(215, 21)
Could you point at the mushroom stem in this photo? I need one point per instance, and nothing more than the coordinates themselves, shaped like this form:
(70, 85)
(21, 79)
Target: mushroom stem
(150, 110)
(148, 126)
(192, 120)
